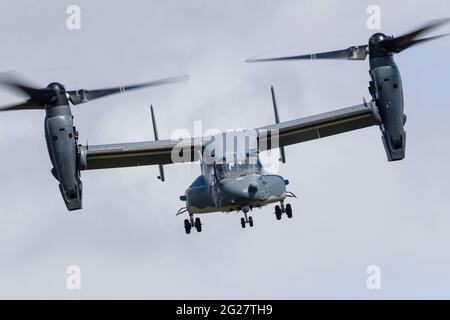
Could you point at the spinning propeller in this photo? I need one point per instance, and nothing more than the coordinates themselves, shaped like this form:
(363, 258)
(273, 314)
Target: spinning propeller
(39, 98)
(378, 43)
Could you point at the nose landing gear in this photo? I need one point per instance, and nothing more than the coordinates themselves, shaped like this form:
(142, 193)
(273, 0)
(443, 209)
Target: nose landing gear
(279, 210)
(246, 219)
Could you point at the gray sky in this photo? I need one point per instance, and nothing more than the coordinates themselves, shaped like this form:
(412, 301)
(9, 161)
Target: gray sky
(354, 209)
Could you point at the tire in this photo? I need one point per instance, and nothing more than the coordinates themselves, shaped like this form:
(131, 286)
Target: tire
(278, 212)
(198, 225)
(187, 226)
(289, 210)
(243, 223)
(250, 221)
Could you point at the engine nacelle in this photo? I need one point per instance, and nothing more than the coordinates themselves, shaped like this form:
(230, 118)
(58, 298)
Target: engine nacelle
(62, 146)
(386, 88)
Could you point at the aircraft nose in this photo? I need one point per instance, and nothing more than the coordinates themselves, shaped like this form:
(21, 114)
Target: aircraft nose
(239, 190)
(253, 187)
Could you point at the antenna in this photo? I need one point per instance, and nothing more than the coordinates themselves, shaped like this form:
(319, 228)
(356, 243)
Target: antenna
(277, 120)
(155, 132)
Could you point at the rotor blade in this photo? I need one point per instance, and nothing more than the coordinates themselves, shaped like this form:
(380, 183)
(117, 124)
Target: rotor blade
(27, 105)
(405, 41)
(417, 41)
(22, 87)
(352, 53)
(81, 96)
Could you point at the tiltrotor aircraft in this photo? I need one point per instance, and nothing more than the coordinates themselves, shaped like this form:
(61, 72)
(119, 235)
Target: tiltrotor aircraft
(232, 177)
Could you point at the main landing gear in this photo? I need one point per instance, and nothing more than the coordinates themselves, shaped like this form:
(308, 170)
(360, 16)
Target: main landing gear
(192, 223)
(246, 219)
(279, 210)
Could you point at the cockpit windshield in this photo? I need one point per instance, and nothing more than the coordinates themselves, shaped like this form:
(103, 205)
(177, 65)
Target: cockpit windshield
(237, 169)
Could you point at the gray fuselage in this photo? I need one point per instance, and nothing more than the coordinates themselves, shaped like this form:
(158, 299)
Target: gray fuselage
(239, 186)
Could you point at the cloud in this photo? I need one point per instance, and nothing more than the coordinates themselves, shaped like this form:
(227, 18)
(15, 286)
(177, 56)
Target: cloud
(354, 208)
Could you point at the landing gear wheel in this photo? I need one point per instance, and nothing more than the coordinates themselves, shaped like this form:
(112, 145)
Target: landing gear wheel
(289, 210)
(198, 225)
(187, 226)
(278, 212)
(243, 223)
(250, 221)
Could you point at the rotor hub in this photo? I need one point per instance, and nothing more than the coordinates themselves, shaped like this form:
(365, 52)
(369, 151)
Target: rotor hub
(56, 86)
(377, 37)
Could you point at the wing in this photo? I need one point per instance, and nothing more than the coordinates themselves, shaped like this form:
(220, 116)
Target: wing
(318, 126)
(189, 150)
(141, 153)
